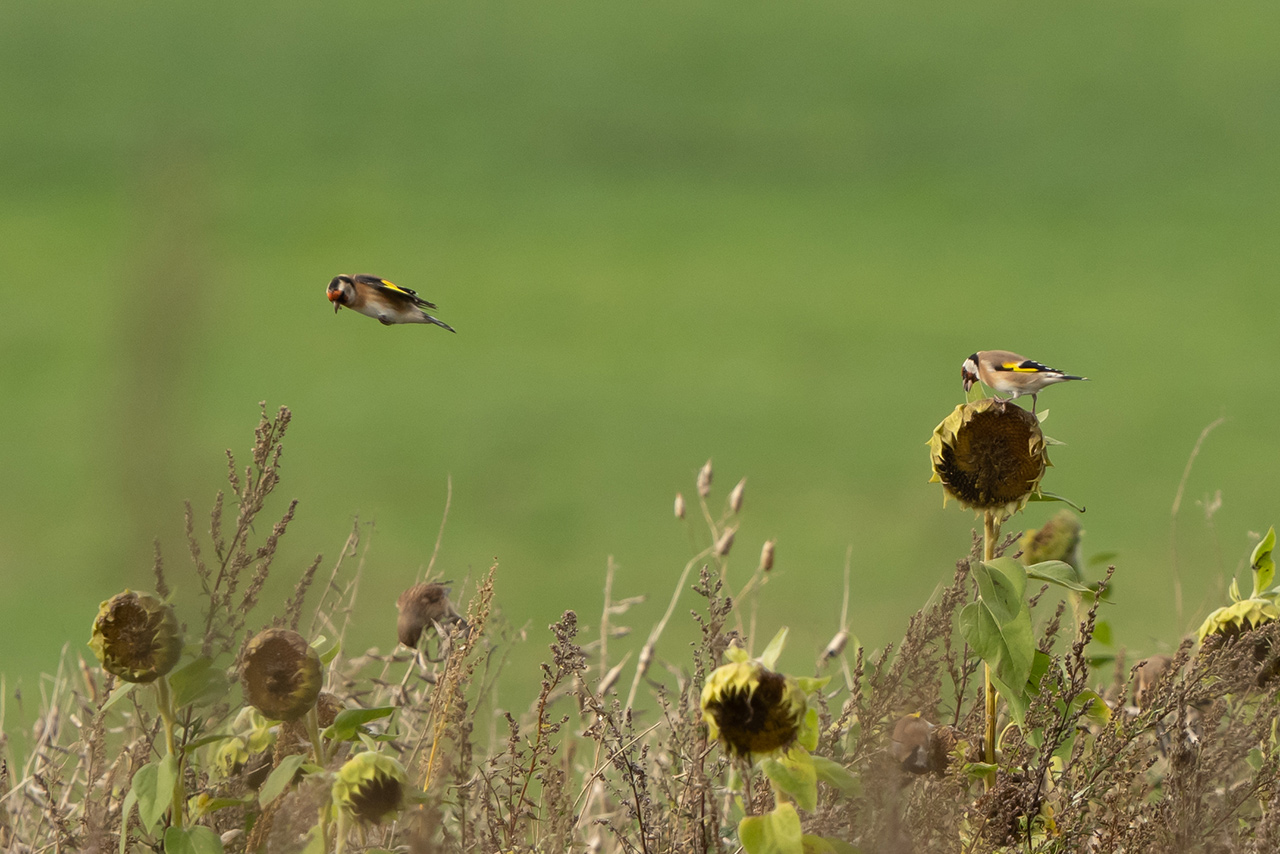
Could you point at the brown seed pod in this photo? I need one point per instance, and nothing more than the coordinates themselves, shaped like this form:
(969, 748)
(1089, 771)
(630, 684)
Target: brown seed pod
(766, 555)
(705, 475)
(725, 543)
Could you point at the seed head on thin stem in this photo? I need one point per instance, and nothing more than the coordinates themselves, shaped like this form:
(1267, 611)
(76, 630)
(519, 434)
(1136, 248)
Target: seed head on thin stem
(735, 497)
(705, 475)
(725, 542)
(766, 555)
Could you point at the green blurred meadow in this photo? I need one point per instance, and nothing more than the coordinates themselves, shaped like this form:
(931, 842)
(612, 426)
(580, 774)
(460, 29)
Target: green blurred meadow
(763, 233)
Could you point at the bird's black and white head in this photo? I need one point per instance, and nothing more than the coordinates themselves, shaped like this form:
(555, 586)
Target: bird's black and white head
(968, 371)
(341, 291)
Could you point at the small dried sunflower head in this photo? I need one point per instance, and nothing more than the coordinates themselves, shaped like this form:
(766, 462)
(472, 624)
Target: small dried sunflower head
(989, 455)
(136, 637)
(282, 674)
(1057, 539)
(370, 787)
(752, 710)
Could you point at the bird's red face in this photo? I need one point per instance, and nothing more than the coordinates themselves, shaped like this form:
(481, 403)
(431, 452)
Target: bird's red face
(337, 292)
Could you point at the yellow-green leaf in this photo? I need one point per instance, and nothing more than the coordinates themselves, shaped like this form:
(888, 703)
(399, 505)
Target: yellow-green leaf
(795, 775)
(769, 658)
(1264, 566)
(777, 832)
(191, 840)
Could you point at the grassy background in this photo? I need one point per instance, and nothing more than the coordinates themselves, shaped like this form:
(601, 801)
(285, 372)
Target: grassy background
(765, 234)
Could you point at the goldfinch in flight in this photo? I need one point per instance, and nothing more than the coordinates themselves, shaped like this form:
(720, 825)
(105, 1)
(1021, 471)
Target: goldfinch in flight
(379, 299)
(1010, 373)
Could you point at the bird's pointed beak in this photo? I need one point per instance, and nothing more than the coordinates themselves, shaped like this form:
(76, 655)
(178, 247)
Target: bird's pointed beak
(336, 307)
(968, 383)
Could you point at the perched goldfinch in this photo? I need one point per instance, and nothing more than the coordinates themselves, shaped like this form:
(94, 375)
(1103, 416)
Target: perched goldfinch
(921, 747)
(379, 299)
(1010, 373)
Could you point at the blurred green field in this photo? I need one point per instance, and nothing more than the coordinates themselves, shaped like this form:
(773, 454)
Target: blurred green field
(763, 233)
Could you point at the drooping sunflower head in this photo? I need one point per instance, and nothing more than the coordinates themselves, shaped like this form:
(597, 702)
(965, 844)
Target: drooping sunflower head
(370, 787)
(989, 455)
(282, 674)
(1231, 621)
(136, 637)
(752, 710)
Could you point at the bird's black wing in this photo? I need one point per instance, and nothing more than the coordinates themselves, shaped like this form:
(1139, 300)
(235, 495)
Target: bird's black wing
(393, 291)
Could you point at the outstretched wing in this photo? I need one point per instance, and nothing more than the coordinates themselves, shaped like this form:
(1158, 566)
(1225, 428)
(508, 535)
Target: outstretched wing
(393, 291)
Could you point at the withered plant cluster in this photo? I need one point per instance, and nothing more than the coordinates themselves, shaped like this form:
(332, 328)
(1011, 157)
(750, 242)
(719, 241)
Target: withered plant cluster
(408, 751)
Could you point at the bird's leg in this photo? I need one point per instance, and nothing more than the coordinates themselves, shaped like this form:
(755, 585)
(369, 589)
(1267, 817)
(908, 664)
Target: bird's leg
(1033, 404)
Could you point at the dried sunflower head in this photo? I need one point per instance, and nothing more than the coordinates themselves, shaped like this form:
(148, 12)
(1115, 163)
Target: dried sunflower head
(989, 455)
(282, 674)
(136, 637)
(752, 710)
(370, 787)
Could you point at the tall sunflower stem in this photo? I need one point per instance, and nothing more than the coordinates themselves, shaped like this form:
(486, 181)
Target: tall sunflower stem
(313, 732)
(312, 719)
(164, 703)
(990, 533)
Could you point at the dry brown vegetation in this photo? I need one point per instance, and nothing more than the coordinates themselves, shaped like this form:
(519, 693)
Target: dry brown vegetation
(613, 756)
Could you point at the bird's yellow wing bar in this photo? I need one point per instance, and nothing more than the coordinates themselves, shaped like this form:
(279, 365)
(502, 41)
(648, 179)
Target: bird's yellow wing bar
(393, 286)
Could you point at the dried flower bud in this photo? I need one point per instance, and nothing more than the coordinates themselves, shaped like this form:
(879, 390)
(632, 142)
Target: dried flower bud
(136, 637)
(735, 497)
(679, 505)
(836, 646)
(725, 542)
(281, 674)
(611, 678)
(370, 787)
(766, 555)
(422, 605)
(704, 480)
(646, 658)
